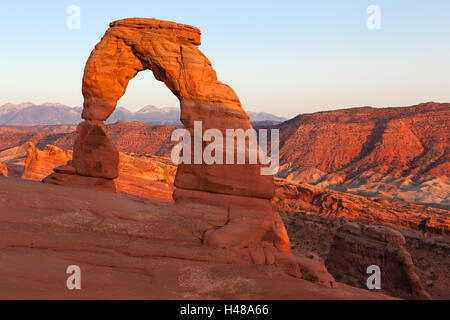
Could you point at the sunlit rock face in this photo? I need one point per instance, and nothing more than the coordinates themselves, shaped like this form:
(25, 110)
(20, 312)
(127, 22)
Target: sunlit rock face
(171, 52)
(3, 170)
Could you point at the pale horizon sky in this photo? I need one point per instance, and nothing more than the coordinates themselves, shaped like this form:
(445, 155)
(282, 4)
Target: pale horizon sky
(281, 57)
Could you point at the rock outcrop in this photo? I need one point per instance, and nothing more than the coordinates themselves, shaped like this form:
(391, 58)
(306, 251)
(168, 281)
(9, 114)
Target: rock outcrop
(93, 153)
(356, 246)
(39, 163)
(144, 176)
(130, 249)
(3, 170)
(301, 197)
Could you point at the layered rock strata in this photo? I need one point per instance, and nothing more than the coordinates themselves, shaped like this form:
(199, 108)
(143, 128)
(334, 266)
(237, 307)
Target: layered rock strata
(356, 247)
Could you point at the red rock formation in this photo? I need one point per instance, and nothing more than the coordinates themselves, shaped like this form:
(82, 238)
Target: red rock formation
(385, 152)
(12, 137)
(152, 177)
(171, 51)
(3, 170)
(384, 140)
(296, 197)
(39, 163)
(355, 247)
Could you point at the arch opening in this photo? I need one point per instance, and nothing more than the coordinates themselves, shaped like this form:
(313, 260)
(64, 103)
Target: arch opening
(171, 52)
(144, 90)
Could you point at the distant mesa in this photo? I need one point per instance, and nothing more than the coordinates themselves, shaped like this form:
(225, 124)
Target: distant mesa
(401, 153)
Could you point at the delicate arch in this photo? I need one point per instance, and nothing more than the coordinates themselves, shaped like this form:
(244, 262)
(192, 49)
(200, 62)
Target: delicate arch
(171, 52)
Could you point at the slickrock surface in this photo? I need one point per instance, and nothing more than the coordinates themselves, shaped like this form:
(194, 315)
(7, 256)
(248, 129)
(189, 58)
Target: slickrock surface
(128, 249)
(146, 176)
(149, 177)
(356, 246)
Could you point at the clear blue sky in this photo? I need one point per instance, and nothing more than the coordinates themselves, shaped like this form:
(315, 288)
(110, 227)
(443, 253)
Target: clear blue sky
(284, 57)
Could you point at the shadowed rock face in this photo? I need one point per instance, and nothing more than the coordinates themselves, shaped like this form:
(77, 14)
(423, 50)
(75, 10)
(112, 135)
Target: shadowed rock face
(376, 245)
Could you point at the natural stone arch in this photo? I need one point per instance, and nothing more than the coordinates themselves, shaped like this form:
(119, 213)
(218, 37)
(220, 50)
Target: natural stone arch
(235, 198)
(171, 51)
(228, 204)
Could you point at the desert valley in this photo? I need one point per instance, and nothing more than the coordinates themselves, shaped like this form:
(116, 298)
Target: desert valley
(358, 208)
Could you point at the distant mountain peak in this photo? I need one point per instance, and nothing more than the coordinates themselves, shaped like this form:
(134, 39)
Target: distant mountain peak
(16, 106)
(54, 113)
(152, 108)
(53, 104)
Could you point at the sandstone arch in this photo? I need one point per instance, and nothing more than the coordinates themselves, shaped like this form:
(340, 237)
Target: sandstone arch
(236, 194)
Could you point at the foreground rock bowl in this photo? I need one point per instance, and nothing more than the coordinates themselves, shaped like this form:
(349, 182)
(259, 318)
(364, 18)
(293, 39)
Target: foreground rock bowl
(128, 249)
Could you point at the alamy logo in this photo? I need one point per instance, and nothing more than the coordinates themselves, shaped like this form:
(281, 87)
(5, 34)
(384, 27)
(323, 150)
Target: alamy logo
(374, 20)
(74, 19)
(374, 281)
(74, 280)
(237, 147)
